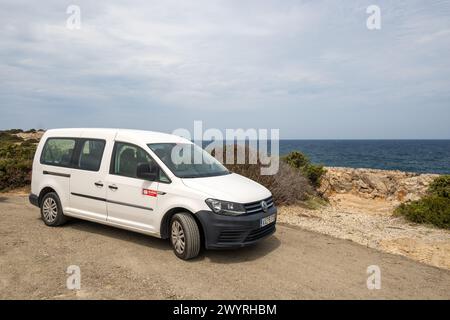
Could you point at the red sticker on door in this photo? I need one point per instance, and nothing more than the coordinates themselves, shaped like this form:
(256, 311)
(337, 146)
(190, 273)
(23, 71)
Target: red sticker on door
(149, 192)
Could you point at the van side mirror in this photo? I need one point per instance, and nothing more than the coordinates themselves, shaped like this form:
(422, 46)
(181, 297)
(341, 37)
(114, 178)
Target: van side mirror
(146, 172)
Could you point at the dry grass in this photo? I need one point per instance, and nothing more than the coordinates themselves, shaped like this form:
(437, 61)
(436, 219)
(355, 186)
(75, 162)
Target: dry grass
(288, 185)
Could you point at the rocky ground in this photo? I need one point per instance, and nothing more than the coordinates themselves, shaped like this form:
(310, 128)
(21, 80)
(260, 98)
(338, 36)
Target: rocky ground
(392, 185)
(361, 204)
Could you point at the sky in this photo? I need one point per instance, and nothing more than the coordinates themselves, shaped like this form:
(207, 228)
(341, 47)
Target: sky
(311, 69)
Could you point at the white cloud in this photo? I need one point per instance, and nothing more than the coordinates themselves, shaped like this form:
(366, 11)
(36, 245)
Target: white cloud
(435, 36)
(263, 59)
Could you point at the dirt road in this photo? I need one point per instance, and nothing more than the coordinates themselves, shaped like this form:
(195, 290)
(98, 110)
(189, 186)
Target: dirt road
(292, 264)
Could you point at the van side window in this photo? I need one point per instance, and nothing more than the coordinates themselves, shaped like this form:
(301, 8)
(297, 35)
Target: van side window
(163, 177)
(126, 159)
(58, 152)
(91, 154)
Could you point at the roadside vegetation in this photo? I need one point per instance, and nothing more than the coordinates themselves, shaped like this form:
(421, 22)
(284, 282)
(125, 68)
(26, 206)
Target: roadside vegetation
(294, 183)
(434, 208)
(16, 158)
(302, 163)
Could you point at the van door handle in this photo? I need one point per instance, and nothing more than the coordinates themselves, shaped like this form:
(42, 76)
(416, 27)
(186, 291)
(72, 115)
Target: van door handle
(98, 184)
(113, 187)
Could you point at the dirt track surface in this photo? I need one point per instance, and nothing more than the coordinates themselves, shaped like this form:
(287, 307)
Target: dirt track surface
(118, 264)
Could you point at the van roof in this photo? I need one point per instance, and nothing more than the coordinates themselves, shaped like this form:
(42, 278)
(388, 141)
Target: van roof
(129, 134)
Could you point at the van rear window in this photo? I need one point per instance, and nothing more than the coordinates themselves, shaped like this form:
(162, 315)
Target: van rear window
(58, 152)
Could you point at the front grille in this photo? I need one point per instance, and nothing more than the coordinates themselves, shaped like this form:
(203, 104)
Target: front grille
(260, 233)
(255, 207)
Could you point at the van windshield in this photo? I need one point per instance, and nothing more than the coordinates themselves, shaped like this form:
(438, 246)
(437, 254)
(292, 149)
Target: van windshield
(187, 160)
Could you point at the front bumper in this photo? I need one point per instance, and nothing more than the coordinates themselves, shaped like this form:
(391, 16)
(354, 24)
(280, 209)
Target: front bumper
(223, 231)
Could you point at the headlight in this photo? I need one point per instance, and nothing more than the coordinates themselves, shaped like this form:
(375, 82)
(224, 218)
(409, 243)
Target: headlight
(225, 207)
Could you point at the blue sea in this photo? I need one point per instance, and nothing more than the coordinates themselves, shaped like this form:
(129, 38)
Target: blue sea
(424, 156)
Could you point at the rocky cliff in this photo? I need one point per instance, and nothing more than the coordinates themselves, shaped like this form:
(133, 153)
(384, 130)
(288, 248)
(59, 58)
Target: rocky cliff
(373, 183)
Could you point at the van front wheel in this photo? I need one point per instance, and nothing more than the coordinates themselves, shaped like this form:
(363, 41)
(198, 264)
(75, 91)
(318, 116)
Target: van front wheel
(184, 236)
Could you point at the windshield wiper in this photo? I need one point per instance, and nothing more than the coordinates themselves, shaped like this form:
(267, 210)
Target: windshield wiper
(206, 175)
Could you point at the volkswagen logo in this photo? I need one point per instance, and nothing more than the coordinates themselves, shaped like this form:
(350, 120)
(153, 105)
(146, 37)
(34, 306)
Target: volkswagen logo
(264, 206)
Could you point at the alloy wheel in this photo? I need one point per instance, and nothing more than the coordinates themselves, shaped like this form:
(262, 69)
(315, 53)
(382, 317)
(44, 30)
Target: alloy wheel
(50, 210)
(178, 240)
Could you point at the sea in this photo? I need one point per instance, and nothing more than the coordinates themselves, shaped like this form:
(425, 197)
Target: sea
(422, 156)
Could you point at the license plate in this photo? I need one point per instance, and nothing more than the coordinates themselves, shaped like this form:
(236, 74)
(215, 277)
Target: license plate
(268, 220)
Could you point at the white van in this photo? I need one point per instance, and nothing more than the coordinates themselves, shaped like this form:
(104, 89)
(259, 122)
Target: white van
(128, 179)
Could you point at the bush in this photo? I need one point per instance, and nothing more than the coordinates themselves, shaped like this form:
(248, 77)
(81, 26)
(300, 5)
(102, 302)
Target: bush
(14, 174)
(30, 141)
(297, 159)
(314, 173)
(14, 131)
(440, 186)
(288, 185)
(8, 137)
(18, 152)
(15, 164)
(430, 209)
(300, 161)
(434, 208)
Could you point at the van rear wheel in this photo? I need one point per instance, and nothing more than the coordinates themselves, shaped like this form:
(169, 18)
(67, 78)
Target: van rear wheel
(185, 236)
(51, 210)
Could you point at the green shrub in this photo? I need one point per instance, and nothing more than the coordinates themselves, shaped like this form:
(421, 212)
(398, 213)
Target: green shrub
(297, 160)
(430, 209)
(14, 131)
(312, 171)
(12, 151)
(8, 137)
(434, 208)
(14, 174)
(30, 141)
(15, 164)
(440, 186)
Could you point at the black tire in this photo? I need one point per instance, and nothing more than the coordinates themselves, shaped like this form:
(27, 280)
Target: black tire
(56, 217)
(192, 240)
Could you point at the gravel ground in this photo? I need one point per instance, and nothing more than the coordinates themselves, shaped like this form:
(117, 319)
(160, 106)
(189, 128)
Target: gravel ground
(114, 263)
(371, 223)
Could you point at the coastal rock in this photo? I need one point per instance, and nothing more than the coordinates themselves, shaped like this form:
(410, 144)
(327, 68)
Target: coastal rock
(373, 183)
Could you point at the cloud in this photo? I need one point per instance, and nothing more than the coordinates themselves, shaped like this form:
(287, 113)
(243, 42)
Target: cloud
(161, 65)
(435, 36)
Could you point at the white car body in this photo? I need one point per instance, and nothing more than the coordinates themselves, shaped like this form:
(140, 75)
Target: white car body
(138, 204)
